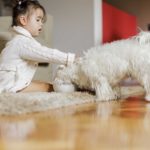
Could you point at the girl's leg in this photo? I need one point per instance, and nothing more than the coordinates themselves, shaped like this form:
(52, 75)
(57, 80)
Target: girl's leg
(37, 86)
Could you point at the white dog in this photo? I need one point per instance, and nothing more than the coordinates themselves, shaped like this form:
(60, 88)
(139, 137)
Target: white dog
(102, 68)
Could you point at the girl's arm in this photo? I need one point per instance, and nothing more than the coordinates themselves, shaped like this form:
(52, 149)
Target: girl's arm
(36, 52)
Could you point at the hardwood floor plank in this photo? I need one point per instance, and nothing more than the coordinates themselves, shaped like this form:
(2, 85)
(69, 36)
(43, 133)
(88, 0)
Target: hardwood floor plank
(114, 125)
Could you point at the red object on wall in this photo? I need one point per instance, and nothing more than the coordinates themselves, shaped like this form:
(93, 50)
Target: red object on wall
(117, 24)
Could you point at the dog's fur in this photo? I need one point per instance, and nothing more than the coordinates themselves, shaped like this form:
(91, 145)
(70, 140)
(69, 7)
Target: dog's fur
(102, 68)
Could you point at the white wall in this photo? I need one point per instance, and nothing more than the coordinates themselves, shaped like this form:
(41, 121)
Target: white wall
(73, 28)
(98, 28)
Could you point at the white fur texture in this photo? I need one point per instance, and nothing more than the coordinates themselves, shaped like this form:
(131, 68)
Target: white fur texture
(102, 68)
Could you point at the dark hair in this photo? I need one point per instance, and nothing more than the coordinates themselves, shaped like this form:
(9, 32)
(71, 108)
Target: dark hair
(21, 7)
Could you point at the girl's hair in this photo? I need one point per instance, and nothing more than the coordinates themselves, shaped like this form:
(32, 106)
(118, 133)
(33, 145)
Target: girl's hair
(22, 7)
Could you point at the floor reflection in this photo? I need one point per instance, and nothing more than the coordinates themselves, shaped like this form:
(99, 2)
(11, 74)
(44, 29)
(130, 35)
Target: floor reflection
(122, 124)
(132, 107)
(17, 130)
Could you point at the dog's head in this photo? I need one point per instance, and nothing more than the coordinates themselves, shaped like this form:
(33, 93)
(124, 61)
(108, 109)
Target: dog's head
(66, 74)
(143, 37)
(62, 75)
(62, 82)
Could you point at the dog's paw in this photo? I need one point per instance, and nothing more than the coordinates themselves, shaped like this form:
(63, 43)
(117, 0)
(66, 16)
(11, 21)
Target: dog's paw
(117, 93)
(107, 97)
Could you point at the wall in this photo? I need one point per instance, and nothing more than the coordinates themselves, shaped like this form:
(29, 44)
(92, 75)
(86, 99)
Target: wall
(139, 8)
(117, 24)
(73, 23)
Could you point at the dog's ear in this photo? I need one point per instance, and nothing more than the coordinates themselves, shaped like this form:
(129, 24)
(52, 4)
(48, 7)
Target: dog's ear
(143, 37)
(59, 70)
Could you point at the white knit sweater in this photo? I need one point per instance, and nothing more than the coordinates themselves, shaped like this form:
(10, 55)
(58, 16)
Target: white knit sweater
(20, 58)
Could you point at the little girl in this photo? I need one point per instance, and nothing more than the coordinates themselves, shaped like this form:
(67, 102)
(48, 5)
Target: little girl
(19, 59)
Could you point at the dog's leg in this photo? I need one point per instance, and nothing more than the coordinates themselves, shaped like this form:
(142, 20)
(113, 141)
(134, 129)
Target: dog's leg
(104, 91)
(146, 83)
(117, 92)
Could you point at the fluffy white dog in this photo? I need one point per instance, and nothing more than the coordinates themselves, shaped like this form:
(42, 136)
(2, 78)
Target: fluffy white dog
(102, 68)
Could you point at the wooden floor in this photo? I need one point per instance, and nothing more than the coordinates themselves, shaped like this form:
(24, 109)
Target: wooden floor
(115, 125)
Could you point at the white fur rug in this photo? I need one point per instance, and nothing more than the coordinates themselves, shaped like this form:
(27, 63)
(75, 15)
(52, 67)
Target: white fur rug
(22, 103)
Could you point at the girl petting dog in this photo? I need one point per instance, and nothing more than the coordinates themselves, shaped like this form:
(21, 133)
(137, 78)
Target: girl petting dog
(19, 59)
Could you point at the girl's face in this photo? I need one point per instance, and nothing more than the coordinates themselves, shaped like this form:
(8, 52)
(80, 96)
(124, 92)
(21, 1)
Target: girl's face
(35, 22)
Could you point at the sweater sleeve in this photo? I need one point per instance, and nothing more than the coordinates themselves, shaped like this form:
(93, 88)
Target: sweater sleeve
(34, 51)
